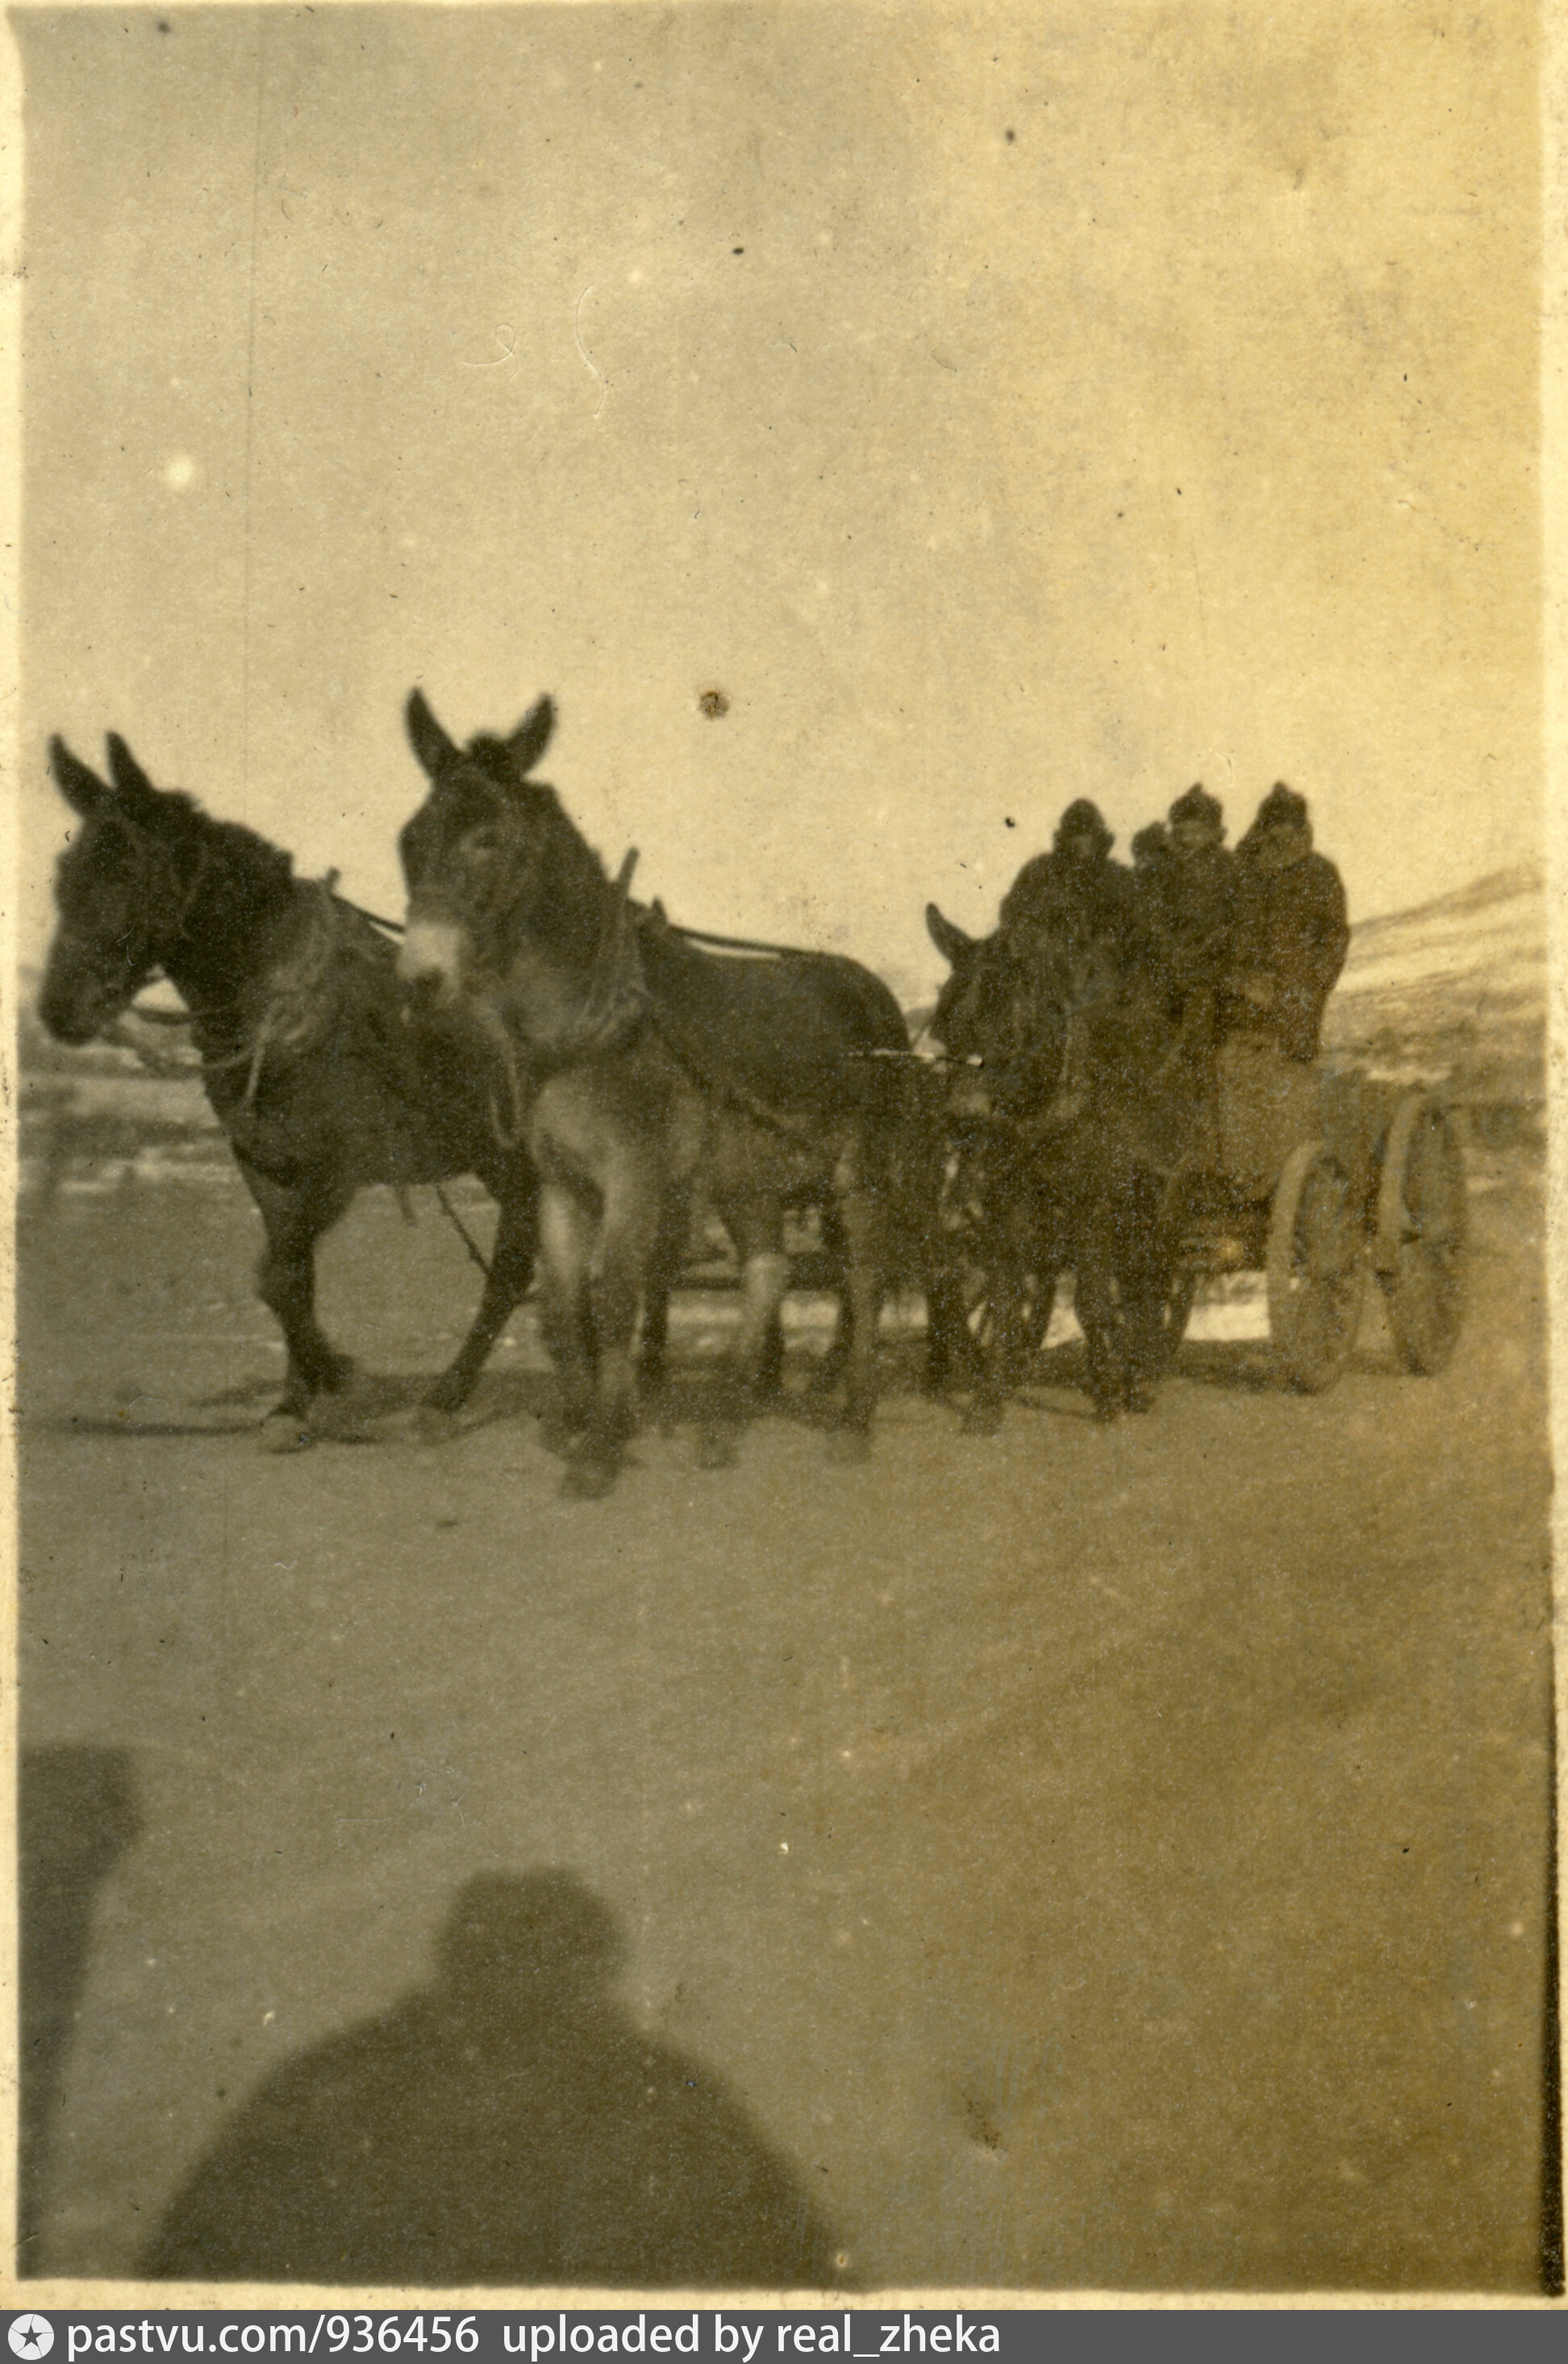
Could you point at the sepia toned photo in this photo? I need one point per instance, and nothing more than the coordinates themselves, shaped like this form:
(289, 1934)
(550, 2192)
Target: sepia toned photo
(780, 1008)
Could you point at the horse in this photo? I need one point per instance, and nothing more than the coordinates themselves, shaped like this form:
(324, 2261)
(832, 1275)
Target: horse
(1086, 1103)
(307, 1061)
(629, 1060)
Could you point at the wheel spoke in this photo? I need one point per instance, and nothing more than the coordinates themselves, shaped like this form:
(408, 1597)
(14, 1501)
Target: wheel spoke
(1426, 1220)
(1317, 1269)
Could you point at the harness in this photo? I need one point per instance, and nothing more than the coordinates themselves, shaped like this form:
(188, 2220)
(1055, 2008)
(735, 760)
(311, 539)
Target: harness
(714, 1086)
(603, 1023)
(292, 1017)
(613, 1009)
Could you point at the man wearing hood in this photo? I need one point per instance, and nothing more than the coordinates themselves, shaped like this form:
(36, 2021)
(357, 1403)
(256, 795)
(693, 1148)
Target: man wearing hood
(1150, 850)
(1075, 894)
(1188, 912)
(1292, 933)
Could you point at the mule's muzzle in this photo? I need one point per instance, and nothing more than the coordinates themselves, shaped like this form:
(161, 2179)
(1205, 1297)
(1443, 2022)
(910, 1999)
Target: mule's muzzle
(429, 961)
(75, 1011)
(69, 1025)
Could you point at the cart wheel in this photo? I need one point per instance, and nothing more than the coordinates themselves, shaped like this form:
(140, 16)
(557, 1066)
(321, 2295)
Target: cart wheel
(1317, 1269)
(1423, 1232)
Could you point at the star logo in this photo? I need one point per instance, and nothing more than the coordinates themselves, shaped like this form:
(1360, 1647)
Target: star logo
(31, 2336)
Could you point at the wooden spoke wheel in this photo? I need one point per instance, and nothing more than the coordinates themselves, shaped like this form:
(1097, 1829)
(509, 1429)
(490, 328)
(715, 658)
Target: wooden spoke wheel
(976, 1251)
(1317, 1269)
(1423, 1233)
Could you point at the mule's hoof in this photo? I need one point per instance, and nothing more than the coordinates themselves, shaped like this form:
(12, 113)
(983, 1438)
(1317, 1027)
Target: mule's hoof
(716, 1449)
(849, 1446)
(588, 1481)
(283, 1432)
(1107, 1412)
(1139, 1398)
(981, 1420)
(557, 1438)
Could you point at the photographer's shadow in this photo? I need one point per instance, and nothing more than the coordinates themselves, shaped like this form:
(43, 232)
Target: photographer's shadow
(507, 2124)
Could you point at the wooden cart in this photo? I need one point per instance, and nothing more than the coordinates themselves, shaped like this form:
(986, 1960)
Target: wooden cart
(1321, 1179)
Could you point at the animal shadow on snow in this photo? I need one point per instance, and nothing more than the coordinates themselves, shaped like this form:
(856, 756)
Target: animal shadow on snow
(509, 2122)
(375, 1409)
(389, 1409)
(684, 1397)
(1063, 1370)
(1246, 1366)
(1242, 1367)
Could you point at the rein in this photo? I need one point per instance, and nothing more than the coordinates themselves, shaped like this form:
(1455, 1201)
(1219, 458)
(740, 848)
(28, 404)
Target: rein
(392, 927)
(156, 1017)
(460, 1227)
(741, 944)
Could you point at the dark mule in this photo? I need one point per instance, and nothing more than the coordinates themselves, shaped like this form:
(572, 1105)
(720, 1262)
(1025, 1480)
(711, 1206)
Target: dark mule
(630, 1062)
(299, 1018)
(1087, 1111)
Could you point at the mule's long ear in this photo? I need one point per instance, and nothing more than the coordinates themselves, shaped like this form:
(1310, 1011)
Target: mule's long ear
(947, 935)
(532, 735)
(426, 737)
(131, 782)
(83, 789)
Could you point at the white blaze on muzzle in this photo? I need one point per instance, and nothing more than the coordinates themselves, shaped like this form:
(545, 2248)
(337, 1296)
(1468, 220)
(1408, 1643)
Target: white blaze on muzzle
(431, 955)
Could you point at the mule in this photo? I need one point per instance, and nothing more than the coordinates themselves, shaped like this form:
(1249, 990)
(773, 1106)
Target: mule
(307, 1061)
(1087, 1103)
(629, 1062)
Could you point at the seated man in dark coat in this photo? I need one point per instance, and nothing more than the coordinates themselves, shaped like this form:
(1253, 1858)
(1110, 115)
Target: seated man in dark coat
(1075, 894)
(1150, 850)
(1292, 933)
(1187, 913)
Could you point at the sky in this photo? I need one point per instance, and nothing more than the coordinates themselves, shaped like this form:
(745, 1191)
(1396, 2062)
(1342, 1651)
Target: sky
(998, 404)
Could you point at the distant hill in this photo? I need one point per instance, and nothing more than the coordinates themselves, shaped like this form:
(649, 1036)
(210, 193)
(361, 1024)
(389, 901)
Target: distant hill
(1452, 992)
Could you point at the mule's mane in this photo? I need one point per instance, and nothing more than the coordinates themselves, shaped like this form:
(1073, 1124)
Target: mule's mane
(494, 756)
(256, 871)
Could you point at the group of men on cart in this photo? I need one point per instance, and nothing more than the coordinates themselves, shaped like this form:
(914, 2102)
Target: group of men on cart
(1241, 942)
(1184, 1126)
